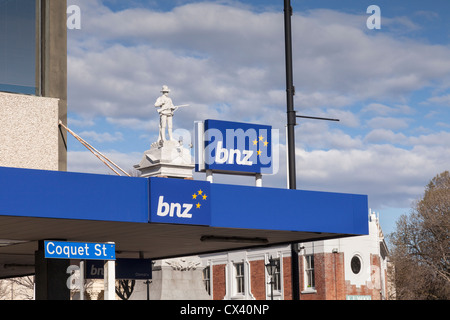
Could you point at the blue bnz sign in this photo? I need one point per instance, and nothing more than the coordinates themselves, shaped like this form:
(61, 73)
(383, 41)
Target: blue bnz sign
(234, 147)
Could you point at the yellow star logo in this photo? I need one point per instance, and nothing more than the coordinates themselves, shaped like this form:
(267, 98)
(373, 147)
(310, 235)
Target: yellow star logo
(259, 152)
(266, 143)
(199, 195)
(261, 138)
(255, 142)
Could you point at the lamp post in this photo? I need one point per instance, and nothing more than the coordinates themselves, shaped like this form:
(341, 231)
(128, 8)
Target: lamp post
(291, 123)
(272, 268)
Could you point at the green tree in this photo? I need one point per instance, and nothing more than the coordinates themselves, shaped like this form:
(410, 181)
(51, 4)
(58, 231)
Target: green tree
(421, 245)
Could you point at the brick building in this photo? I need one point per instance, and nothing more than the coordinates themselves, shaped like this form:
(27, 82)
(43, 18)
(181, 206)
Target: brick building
(347, 268)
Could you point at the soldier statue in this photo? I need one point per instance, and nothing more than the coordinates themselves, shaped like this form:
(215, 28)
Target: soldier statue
(166, 109)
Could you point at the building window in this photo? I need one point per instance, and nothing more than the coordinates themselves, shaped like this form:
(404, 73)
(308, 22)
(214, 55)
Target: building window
(19, 39)
(277, 277)
(309, 272)
(207, 279)
(239, 276)
(355, 264)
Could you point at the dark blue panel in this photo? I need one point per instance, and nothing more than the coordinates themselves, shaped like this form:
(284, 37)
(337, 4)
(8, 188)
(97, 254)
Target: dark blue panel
(180, 201)
(137, 269)
(290, 210)
(237, 147)
(49, 194)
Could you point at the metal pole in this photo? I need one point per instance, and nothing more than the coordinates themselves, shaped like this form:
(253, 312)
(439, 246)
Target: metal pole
(291, 123)
(318, 118)
(271, 286)
(290, 90)
(295, 272)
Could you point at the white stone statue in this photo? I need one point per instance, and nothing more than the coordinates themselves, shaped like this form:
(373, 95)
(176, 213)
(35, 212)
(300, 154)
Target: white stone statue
(166, 157)
(166, 110)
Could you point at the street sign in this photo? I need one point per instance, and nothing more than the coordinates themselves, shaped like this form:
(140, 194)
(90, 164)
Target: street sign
(180, 201)
(233, 147)
(79, 250)
(131, 269)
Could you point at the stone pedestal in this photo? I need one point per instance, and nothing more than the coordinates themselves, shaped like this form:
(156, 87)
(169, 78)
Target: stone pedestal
(169, 159)
(178, 279)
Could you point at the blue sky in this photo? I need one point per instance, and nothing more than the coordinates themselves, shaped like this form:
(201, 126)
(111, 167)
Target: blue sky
(389, 87)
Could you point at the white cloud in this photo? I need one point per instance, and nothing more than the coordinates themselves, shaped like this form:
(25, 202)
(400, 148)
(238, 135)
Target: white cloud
(319, 135)
(380, 136)
(134, 123)
(384, 110)
(441, 139)
(220, 54)
(390, 176)
(388, 123)
(101, 137)
(80, 122)
(440, 100)
(87, 162)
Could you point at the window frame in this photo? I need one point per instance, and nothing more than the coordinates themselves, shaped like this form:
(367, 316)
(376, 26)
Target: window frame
(277, 277)
(206, 277)
(239, 278)
(309, 273)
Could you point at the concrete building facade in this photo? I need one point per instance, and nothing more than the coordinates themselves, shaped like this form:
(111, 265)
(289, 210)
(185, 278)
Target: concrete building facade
(338, 269)
(29, 132)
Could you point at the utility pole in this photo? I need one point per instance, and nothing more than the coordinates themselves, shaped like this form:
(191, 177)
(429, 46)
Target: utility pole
(290, 90)
(291, 123)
